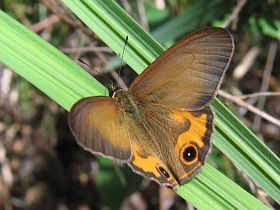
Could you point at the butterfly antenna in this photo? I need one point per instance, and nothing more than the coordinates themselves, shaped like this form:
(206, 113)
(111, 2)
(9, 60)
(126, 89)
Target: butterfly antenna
(106, 78)
(125, 43)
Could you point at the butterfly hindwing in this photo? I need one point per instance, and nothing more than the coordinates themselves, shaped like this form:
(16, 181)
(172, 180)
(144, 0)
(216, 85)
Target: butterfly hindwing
(170, 135)
(193, 145)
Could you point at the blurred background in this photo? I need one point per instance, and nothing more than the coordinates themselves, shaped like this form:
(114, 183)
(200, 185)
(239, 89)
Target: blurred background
(42, 167)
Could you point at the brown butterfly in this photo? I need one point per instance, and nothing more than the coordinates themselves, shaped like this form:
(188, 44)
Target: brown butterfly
(162, 126)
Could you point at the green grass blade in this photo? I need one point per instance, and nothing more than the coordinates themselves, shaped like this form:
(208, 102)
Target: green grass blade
(198, 15)
(43, 65)
(246, 150)
(212, 190)
(106, 20)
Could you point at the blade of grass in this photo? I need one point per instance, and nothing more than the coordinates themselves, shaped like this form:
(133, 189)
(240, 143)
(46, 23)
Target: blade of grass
(198, 15)
(215, 191)
(247, 151)
(112, 26)
(262, 165)
(43, 65)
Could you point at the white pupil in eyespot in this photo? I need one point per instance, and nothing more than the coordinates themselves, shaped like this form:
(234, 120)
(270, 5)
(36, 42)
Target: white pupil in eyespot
(189, 154)
(164, 172)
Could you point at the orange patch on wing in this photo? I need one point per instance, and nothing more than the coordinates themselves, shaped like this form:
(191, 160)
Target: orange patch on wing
(146, 164)
(196, 131)
(178, 116)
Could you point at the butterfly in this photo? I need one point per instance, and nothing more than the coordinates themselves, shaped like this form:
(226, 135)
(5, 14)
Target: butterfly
(162, 126)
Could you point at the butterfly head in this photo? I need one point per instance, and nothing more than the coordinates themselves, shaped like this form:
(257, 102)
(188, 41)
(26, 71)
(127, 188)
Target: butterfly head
(113, 89)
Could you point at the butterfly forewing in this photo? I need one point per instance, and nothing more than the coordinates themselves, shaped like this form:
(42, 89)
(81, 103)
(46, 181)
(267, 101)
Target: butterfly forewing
(99, 126)
(188, 74)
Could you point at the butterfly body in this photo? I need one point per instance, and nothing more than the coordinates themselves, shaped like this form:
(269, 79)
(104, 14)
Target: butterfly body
(162, 126)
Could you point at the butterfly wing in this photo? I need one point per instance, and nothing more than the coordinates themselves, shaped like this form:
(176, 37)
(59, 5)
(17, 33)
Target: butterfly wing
(188, 74)
(180, 142)
(99, 126)
(174, 93)
(192, 145)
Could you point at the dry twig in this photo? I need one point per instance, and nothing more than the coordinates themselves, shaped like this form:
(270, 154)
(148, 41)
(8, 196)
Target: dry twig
(142, 14)
(253, 109)
(235, 13)
(265, 81)
(87, 49)
(243, 67)
(262, 94)
(49, 21)
(55, 8)
(129, 10)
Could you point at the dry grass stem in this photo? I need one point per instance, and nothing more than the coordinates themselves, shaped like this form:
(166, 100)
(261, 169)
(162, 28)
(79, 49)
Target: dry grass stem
(47, 22)
(243, 67)
(87, 49)
(251, 108)
(265, 82)
(142, 14)
(235, 13)
(262, 94)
